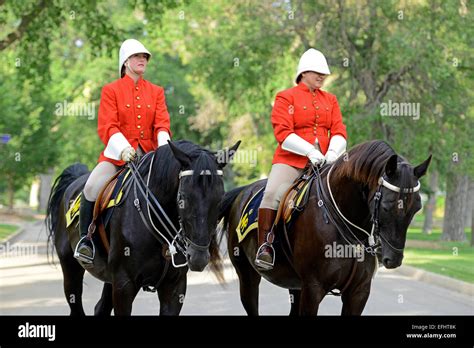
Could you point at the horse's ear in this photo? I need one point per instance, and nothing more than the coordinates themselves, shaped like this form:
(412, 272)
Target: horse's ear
(421, 169)
(224, 156)
(391, 165)
(180, 155)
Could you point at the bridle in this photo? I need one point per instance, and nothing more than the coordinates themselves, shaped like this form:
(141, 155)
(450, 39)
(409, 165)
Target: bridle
(176, 240)
(374, 235)
(375, 231)
(187, 240)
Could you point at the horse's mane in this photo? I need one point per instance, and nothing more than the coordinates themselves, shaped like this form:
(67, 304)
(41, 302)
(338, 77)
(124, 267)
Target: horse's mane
(366, 164)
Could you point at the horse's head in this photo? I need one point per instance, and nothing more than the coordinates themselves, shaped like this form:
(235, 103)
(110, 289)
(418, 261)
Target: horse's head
(393, 204)
(200, 191)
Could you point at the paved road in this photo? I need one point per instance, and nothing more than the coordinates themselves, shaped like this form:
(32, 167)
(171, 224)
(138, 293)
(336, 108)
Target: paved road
(31, 286)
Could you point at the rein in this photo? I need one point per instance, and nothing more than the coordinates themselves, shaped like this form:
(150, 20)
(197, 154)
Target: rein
(375, 231)
(175, 239)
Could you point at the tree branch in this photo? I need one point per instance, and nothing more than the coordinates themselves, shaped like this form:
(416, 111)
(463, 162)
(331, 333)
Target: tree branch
(25, 22)
(299, 26)
(391, 79)
(348, 43)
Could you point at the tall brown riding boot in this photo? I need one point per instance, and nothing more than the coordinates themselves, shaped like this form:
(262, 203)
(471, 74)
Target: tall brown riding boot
(265, 253)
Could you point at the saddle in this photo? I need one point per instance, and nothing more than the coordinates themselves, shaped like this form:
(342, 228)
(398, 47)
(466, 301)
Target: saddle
(109, 196)
(296, 197)
(112, 194)
(293, 201)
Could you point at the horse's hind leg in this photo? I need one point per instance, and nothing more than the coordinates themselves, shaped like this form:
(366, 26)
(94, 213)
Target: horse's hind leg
(73, 274)
(105, 304)
(249, 281)
(295, 295)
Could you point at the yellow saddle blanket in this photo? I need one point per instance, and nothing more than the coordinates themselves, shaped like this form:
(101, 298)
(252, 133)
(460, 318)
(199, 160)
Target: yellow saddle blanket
(293, 201)
(111, 195)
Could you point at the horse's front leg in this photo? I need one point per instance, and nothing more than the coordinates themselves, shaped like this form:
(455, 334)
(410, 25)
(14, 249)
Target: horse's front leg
(104, 306)
(295, 295)
(312, 293)
(172, 292)
(124, 292)
(355, 299)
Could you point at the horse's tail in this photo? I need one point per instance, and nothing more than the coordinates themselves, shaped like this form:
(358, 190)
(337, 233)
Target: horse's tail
(224, 209)
(60, 185)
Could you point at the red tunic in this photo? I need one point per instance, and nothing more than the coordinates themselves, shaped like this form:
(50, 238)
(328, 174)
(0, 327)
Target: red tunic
(139, 112)
(309, 115)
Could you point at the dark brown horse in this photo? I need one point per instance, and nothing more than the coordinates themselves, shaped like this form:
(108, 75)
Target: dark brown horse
(333, 246)
(187, 183)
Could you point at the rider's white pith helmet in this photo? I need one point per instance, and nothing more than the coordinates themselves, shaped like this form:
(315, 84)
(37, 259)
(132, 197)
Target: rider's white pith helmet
(129, 48)
(312, 60)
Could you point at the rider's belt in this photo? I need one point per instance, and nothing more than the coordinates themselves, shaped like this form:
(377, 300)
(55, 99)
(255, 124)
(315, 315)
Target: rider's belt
(137, 134)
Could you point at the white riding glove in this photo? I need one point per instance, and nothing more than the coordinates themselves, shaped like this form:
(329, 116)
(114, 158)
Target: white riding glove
(163, 138)
(128, 154)
(117, 143)
(298, 145)
(316, 157)
(337, 146)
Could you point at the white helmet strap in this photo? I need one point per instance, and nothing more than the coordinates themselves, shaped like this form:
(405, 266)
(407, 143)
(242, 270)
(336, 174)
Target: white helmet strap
(127, 66)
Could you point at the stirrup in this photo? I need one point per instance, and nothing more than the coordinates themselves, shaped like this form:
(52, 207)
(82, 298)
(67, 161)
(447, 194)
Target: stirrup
(264, 265)
(81, 257)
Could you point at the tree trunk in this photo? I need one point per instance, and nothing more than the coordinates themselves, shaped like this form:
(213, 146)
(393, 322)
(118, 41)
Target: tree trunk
(472, 227)
(45, 188)
(430, 205)
(469, 203)
(11, 194)
(454, 210)
(471, 193)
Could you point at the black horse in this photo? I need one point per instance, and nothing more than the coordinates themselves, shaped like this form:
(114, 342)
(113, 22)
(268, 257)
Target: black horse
(362, 212)
(187, 182)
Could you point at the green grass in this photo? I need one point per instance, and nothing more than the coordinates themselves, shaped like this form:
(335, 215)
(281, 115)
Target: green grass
(416, 233)
(452, 259)
(7, 230)
(444, 261)
(418, 219)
